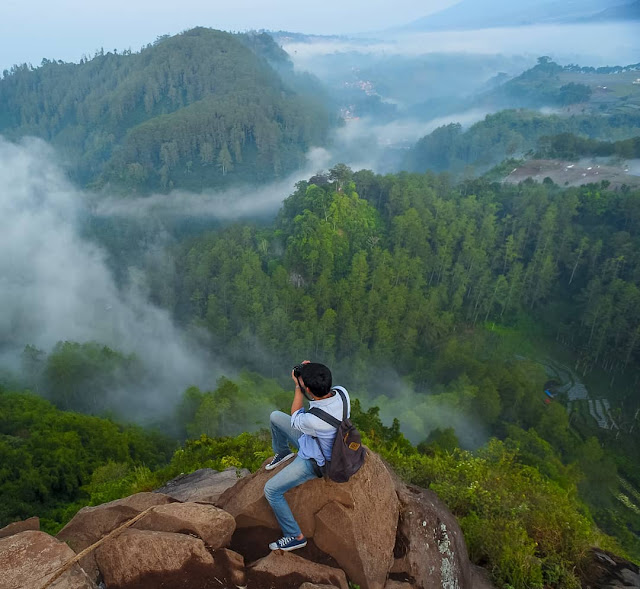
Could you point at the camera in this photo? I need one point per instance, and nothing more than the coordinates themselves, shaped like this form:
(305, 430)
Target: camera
(297, 370)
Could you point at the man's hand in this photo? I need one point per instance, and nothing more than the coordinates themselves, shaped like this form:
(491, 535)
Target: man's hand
(298, 399)
(295, 378)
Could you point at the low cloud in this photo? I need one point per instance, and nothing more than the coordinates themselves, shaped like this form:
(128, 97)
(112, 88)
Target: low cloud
(247, 201)
(57, 286)
(420, 413)
(363, 143)
(588, 44)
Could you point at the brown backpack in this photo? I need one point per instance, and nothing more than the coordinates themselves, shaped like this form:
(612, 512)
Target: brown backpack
(347, 454)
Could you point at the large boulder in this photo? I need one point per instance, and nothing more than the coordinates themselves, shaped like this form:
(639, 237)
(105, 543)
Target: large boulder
(211, 524)
(137, 559)
(202, 486)
(288, 571)
(91, 524)
(30, 559)
(430, 547)
(33, 523)
(354, 522)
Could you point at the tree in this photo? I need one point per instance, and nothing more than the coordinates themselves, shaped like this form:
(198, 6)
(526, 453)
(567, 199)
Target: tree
(224, 160)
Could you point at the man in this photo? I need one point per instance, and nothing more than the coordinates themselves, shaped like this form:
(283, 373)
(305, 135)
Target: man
(313, 438)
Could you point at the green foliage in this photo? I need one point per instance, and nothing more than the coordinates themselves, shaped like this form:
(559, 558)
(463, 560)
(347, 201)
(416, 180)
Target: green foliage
(243, 451)
(514, 133)
(79, 376)
(194, 110)
(48, 456)
(572, 147)
(115, 480)
(527, 527)
(387, 277)
(233, 407)
(439, 439)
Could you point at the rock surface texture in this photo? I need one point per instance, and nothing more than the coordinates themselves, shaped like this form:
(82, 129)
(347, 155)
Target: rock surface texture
(430, 548)
(288, 571)
(202, 486)
(136, 557)
(91, 524)
(354, 522)
(33, 523)
(212, 525)
(30, 559)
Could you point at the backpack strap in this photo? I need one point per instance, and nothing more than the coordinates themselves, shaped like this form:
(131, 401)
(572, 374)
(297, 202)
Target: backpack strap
(344, 401)
(330, 419)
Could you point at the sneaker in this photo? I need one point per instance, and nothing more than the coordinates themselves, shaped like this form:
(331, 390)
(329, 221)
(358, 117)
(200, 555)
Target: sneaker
(278, 459)
(288, 543)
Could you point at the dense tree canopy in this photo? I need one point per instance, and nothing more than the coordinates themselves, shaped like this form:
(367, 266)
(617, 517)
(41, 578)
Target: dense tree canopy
(384, 268)
(47, 456)
(195, 110)
(510, 133)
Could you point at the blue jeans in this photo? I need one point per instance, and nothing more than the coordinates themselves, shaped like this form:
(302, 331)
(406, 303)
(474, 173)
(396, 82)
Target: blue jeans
(292, 475)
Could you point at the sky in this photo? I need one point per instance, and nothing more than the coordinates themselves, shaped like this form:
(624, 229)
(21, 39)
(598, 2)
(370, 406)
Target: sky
(69, 29)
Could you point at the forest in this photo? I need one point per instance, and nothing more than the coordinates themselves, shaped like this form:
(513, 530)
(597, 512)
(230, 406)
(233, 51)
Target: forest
(516, 133)
(199, 109)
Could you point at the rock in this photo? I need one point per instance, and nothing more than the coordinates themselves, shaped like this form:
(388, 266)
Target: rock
(246, 501)
(202, 486)
(430, 546)
(232, 564)
(288, 571)
(142, 558)
(603, 570)
(92, 523)
(33, 523)
(211, 524)
(308, 585)
(29, 559)
(353, 522)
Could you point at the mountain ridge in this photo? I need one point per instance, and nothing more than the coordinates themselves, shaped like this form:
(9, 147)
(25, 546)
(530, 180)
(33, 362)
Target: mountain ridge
(117, 117)
(492, 14)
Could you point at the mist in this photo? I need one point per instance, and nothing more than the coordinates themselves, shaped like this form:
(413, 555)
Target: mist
(235, 203)
(395, 87)
(367, 144)
(420, 413)
(619, 43)
(56, 285)
(633, 167)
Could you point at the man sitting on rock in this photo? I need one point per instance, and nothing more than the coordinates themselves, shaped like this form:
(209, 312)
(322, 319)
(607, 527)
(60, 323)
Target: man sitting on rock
(313, 438)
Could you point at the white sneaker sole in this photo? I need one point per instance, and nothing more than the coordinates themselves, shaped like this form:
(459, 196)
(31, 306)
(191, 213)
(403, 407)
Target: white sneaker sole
(287, 457)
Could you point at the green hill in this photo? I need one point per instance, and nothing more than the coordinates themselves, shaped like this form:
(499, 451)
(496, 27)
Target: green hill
(195, 110)
(510, 133)
(572, 88)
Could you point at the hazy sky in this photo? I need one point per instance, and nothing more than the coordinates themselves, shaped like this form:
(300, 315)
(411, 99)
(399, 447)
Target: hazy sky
(33, 29)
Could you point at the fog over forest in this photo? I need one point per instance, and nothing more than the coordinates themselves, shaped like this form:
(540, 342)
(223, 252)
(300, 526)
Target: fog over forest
(57, 286)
